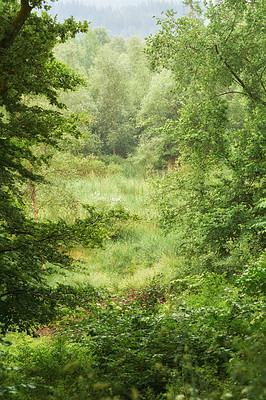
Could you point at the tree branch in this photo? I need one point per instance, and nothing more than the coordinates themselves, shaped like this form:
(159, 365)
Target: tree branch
(11, 34)
(232, 28)
(224, 93)
(52, 235)
(11, 293)
(17, 23)
(255, 71)
(238, 79)
(232, 92)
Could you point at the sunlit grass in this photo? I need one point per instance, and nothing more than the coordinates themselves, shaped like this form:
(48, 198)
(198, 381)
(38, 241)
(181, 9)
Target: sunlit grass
(140, 254)
(130, 193)
(64, 197)
(141, 250)
(95, 274)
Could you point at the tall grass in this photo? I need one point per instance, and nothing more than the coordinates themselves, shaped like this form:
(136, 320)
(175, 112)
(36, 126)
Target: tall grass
(139, 253)
(111, 190)
(63, 197)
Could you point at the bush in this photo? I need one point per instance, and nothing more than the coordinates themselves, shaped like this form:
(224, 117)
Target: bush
(253, 280)
(196, 345)
(68, 165)
(52, 367)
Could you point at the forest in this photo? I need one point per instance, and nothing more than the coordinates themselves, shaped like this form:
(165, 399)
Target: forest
(119, 17)
(132, 206)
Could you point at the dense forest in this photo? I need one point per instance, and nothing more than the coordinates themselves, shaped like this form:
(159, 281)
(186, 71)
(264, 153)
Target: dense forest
(132, 205)
(124, 18)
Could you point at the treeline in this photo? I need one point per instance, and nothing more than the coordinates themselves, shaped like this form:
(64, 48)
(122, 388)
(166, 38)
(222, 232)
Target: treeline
(123, 19)
(123, 98)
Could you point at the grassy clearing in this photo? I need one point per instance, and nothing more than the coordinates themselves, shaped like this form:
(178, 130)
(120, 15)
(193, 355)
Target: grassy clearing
(63, 197)
(112, 190)
(132, 260)
(140, 252)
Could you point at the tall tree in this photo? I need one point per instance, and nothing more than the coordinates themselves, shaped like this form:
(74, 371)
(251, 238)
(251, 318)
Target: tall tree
(160, 104)
(118, 76)
(140, 74)
(28, 68)
(80, 52)
(109, 78)
(216, 197)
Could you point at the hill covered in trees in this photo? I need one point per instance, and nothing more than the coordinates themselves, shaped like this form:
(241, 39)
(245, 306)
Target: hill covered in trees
(124, 18)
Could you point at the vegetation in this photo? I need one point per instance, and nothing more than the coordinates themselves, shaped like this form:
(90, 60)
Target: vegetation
(27, 133)
(218, 191)
(132, 228)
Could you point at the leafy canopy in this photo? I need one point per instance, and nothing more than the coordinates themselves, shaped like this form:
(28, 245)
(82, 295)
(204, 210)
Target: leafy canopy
(214, 200)
(29, 250)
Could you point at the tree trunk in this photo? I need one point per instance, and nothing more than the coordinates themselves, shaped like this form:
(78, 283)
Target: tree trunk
(170, 164)
(33, 196)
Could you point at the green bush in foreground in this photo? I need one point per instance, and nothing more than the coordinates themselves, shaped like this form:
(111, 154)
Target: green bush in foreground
(132, 348)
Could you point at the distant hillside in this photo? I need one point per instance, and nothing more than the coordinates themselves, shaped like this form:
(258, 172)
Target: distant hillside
(124, 17)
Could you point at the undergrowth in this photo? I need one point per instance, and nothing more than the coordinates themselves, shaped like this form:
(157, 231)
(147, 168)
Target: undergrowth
(159, 342)
(153, 330)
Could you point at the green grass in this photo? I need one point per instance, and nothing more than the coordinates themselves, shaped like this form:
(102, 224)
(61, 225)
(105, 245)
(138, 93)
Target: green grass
(140, 254)
(112, 190)
(63, 197)
(141, 250)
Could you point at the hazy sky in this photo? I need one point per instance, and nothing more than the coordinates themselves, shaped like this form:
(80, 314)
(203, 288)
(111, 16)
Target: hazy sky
(122, 18)
(110, 2)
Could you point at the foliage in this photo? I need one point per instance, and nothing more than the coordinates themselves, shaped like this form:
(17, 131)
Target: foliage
(80, 52)
(201, 335)
(252, 280)
(187, 346)
(198, 335)
(213, 199)
(27, 245)
(108, 80)
(5, 389)
(67, 166)
(117, 69)
(60, 360)
(160, 105)
(25, 297)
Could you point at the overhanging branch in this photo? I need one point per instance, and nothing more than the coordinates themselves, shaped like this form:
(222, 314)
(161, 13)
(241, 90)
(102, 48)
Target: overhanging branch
(17, 23)
(11, 34)
(238, 79)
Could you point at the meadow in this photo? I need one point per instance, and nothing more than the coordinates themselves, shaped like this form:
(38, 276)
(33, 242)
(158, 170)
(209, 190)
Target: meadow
(134, 255)
(147, 328)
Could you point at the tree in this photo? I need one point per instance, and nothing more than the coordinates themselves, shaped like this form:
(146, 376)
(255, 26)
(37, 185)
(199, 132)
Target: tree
(119, 77)
(217, 55)
(160, 104)
(109, 78)
(80, 52)
(215, 198)
(29, 249)
(140, 74)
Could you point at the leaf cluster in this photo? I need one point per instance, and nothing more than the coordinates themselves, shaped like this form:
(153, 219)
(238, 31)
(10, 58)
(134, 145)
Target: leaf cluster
(212, 199)
(188, 346)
